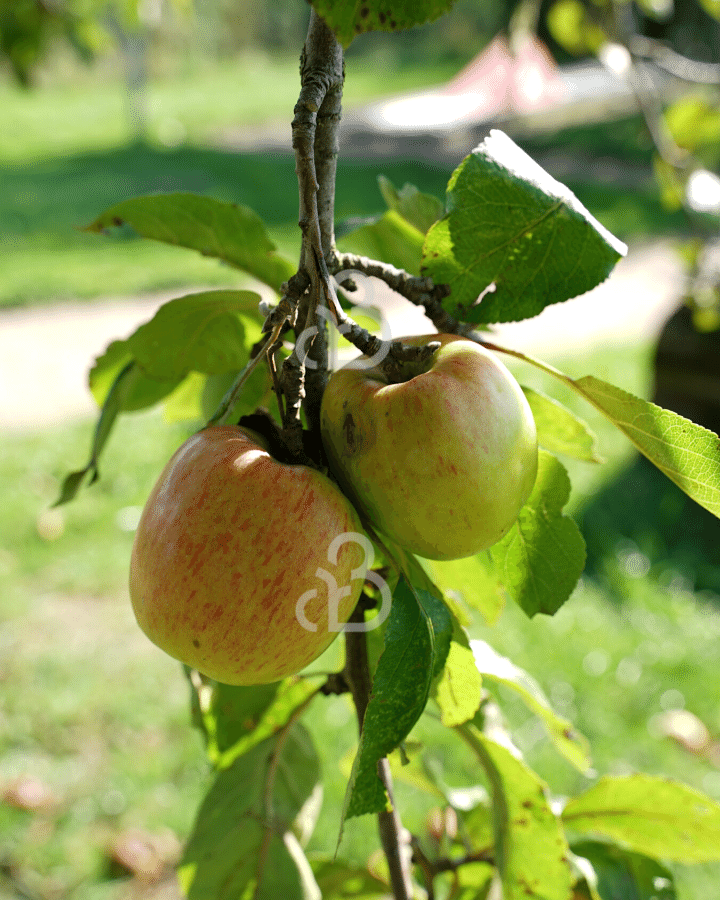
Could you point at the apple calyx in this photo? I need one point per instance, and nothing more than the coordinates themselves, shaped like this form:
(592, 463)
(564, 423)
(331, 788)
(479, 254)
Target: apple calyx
(260, 426)
(405, 362)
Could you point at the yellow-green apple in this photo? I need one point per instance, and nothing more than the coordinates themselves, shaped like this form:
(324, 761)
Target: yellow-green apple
(238, 557)
(442, 460)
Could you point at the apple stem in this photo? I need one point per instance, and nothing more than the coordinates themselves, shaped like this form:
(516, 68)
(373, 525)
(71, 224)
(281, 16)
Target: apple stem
(230, 398)
(394, 838)
(538, 363)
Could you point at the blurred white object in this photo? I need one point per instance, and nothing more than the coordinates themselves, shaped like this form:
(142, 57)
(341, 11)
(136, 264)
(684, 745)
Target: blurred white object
(702, 192)
(615, 57)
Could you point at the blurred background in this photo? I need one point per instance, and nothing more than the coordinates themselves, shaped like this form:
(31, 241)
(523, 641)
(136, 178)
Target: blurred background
(100, 772)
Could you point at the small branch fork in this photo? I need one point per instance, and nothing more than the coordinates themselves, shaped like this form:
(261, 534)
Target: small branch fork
(309, 298)
(431, 868)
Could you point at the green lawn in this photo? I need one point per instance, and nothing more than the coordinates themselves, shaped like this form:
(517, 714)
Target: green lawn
(67, 153)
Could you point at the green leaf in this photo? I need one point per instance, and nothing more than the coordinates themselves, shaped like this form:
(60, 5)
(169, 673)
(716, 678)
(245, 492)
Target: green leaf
(459, 691)
(654, 816)
(712, 7)
(429, 595)
(122, 387)
(184, 404)
(211, 332)
(337, 879)
(349, 18)
(232, 233)
(630, 876)
(531, 851)
(475, 881)
(242, 840)
(413, 765)
(198, 396)
(542, 557)
(570, 743)
(512, 226)
(472, 580)
(144, 390)
(420, 210)
(391, 238)
(694, 121)
(401, 686)
(686, 453)
(561, 431)
(238, 718)
(575, 28)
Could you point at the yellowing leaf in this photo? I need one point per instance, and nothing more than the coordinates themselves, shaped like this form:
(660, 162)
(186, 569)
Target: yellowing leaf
(569, 742)
(654, 816)
(348, 18)
(459, 690)
(687, 453)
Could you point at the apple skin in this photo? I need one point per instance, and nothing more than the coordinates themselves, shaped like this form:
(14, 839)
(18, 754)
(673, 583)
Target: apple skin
(442, 462)
(227, 543)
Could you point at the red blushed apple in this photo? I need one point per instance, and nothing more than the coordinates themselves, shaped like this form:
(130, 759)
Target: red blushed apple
(224, 568)
(440, 462)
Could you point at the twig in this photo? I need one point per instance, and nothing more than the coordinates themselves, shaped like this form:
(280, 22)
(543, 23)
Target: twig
(335, 684)
(357, 675)
(316, 371)
(675, 63)
(327, 145)
(392, 356)
(228, 401)
(321, 73)
(314, 134)
(431, 868)
(420, 291)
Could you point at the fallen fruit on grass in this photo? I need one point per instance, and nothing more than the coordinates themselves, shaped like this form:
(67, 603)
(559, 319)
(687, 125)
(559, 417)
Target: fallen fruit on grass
(441, 461)
(224, 568)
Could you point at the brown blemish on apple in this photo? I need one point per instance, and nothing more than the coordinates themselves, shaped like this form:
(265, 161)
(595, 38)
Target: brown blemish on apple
(350, 433)
(196, 643)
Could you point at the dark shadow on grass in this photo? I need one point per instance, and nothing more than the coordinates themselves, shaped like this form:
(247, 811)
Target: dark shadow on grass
(641, 511)
(56, 196)
(64, 193)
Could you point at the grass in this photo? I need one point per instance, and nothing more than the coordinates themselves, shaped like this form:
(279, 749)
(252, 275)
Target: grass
(45, 203)
(68, 152)
(125, 756)
(42, 205)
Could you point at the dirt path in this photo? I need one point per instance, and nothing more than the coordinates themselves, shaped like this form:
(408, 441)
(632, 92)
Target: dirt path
(45, 352)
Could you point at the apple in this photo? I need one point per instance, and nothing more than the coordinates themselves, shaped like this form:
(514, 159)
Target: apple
(243, 567)
(442, 460)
